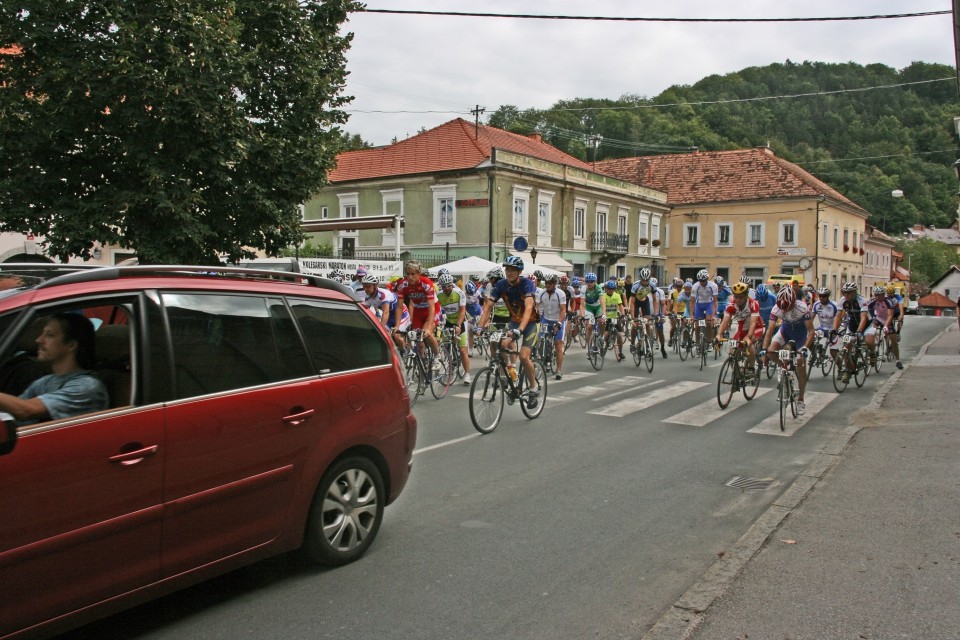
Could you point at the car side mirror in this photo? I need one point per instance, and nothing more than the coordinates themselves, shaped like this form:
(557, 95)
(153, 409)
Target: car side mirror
(8, 434)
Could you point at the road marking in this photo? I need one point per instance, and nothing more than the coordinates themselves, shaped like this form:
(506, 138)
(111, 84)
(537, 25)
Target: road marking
(593, 393)
(700, 416)
(816, 401)
(446, 443)
(631, 405)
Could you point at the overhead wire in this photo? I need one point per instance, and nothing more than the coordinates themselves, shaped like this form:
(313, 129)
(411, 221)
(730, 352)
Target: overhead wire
(526, 16)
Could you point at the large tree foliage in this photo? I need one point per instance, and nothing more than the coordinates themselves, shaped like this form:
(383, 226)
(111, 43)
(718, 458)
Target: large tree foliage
(927, 259)
(863, 143)
(182, 129)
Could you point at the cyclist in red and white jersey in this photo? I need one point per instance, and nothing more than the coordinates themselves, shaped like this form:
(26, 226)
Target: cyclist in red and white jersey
(419, 295)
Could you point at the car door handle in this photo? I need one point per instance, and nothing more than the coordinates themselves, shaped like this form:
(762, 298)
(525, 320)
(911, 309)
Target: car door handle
(128, 458)
(298, 418)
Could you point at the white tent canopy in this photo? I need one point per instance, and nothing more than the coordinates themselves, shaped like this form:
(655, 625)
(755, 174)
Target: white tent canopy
(545, 259)
(467, 266)
(529, 269)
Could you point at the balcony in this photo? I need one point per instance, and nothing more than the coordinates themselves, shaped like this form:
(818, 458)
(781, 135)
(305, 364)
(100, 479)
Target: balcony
(612, 243)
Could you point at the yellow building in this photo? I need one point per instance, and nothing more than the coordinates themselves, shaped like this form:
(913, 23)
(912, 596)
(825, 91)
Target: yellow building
(749, 213)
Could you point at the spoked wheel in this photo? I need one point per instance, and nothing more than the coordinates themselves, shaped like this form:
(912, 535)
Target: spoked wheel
(881, 353)
(861, 368)
(771, 368)
(838, 372)
(703, 352)
(783, 399)
(793, 399)
(813, 360)
(594, 354)
(827, 362)
(648, 353)
(725, 383)
(684, 344)
(441, 375)
(541, 375)
(582, 336)
(750, 378)
(413, 375)
(486, 400)
(457, 371)
(637, 348)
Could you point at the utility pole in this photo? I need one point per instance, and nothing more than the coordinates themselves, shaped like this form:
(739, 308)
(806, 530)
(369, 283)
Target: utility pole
(476, 111)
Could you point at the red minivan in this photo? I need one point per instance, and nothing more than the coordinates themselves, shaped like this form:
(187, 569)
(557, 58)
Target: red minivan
(245, 414)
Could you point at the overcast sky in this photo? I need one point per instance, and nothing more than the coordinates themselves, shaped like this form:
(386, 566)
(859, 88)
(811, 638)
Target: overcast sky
(446, 65)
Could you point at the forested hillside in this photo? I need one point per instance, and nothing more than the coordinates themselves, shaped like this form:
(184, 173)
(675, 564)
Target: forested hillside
(865, 130)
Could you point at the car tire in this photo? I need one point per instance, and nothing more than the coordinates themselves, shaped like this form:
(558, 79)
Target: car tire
(346, 513)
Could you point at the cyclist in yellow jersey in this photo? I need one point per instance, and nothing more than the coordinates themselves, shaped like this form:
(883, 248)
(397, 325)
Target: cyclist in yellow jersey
(613, 306)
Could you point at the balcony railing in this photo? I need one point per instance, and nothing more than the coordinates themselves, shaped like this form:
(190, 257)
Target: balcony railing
(610, 242)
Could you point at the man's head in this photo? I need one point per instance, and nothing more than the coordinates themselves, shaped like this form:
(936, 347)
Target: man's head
(849, 290)
(370, 284)
(67, 339)
(590, 279)
(551, 282)
(512, 267)
(446, 282)
(740, 293)
(412, 270)
(824, 294)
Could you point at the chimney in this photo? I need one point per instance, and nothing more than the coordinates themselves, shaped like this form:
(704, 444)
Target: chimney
(536, 136)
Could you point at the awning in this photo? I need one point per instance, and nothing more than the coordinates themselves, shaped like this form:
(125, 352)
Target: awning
(544, 259)
(351, 224)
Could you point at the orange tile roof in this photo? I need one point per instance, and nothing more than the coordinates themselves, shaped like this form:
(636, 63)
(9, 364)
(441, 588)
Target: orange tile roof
(721, 176)
(936, 299)
(449, 147)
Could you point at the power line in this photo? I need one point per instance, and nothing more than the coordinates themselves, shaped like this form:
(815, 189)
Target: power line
(470, 14)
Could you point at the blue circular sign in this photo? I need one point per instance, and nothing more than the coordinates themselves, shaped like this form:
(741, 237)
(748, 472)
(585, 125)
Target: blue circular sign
(520, 243)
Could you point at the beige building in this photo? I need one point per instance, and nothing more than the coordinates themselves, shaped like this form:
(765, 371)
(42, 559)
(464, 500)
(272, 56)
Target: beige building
(749, 213)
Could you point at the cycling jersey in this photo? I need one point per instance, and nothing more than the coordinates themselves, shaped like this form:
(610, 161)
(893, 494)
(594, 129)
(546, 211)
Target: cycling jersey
(473, 299)
(385, 296)
(742, 316)
(575, 299)
(723, 296)
(612, 301)
(420, 295)
(793, 323)
(825, 313)
(591, 299)
(451, 303)
(880, 310)
(515, 296)
(853, 308)
(683, 304)
(551, 304)
(766, 306)
(704, 292)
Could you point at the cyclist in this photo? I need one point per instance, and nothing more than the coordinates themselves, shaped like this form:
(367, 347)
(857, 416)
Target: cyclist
(644, 303)
(453, 303)
(675, 309)
(746, 312)
(592, 303)
(826, 311)
(751, 292)
(880, 312)
(766, 300)
(704, 295)
(899, 311)
(613, 310)
(723, 295)
(518, 294)
(419, 295)
(472, 290)
(627, 293)
(796, 325)
(659, 305)
(553, 312)
(853, 312)
(383, 302)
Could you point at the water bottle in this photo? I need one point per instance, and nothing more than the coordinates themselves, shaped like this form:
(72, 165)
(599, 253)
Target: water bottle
(512, 372)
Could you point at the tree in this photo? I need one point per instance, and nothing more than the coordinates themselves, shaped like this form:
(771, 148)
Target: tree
(927, 259)
(182, 129)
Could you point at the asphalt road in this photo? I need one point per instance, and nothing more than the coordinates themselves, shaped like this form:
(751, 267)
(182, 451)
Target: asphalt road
(588, 522)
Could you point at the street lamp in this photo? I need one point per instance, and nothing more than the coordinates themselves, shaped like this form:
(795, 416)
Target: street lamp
(533, 254)
(956, 169)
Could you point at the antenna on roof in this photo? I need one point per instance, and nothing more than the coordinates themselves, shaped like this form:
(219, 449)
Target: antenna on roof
(476, 119)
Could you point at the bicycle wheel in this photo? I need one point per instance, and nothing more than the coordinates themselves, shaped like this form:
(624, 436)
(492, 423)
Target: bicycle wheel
(684, 343)
(648, 353)
(881, 353)
(441, 375)
(726, 383)
(568, 337)
(838, 373)
(541, 376)
(582, 335)
(861, 368)
(637, 349)
(828, 362)
(452, 352)
(813, 360)
(783, 397)
(793, 397)
(771, 368)
(413, 375)
(486, 400)
(593, 352)
(703, 351)
(750, 379)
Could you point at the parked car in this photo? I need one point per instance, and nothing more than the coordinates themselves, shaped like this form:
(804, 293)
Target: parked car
(247, 416)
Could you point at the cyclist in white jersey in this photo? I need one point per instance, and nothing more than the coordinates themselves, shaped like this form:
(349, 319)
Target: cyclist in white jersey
(552, 302)
(825, 310)
(704, 296)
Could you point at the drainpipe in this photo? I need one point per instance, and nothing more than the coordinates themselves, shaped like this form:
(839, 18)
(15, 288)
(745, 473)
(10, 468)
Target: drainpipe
(816, 244)
(490, 220)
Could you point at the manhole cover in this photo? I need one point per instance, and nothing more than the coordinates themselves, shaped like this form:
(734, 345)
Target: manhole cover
(742, 482)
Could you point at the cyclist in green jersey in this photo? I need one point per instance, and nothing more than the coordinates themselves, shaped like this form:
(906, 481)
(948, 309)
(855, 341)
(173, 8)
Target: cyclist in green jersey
(453, 303)
(613, 311)
(592, 302)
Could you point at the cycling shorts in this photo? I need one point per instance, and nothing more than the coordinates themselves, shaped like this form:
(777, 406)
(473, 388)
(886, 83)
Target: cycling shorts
(703, 310)
(790, 331)
(549, 324)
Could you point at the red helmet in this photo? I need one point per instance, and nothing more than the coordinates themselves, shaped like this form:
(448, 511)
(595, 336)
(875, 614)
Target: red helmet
(785, 298)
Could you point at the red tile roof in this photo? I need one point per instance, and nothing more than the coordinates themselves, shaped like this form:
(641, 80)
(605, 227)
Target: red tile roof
(449, 147)
(936, 299)
(721, 176)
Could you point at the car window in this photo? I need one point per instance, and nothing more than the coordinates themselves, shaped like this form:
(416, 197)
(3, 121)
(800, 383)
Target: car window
(223, 342)
(339, 336)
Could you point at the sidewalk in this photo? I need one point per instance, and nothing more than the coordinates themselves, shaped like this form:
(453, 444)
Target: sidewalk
(873, 551)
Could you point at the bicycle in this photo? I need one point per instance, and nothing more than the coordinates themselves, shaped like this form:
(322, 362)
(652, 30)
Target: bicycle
(576, 331)
(481, 343)
(422, 370)
(820, 355)
(686, 340)
(450, 346)
(642, 350)
(852, 362)
(787, 384)
(597, 347)
(702, 343)
(499, 382)
(612, 340)
(736, 375)
(546, 351)
(880, 347)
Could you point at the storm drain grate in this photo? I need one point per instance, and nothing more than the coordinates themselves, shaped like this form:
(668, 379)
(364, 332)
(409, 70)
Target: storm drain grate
(741, 482)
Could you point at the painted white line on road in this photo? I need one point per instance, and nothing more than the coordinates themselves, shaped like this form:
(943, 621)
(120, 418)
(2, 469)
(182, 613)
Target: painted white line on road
(440, 445)
(590, 393)
(816, 401)
(631, 405)
(701, 416)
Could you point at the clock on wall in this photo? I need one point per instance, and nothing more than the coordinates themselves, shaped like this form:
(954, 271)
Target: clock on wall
(805, 263)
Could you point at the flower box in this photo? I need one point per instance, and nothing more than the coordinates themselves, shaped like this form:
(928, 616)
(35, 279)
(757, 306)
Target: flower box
(644, 241)
(656, 242)
(846, 248)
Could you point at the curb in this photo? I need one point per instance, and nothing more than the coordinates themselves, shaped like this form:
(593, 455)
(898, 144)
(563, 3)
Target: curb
(686, 614)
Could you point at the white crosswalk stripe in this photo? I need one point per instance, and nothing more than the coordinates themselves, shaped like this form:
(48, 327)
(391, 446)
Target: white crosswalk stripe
(816, 401)
(702, 415)
(628, 406)
(627, 384)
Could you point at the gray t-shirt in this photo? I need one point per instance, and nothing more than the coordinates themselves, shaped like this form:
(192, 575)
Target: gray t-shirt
(68, 394)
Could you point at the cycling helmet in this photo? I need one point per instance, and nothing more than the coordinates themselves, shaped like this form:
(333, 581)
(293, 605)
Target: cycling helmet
(740, 288)
(745, 280)
(370, 279)
(575, 282)
(361, 271)
(761, 291)
(552, 278)
(470, 288)
(445, 279)
(514, 261)
(823, 291)
(442, 270)
(653, 282)
(538, 274)
(688, 285)
(621, 282)
(590, 277)
(495, 274)
(677, 282)
(849, 287)
(891, 290)
(879, 291)
(476, 277)
(645, 273)
(785, 298)
(610, 284)
(564, 279)
(719, 281)
(703, 275)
